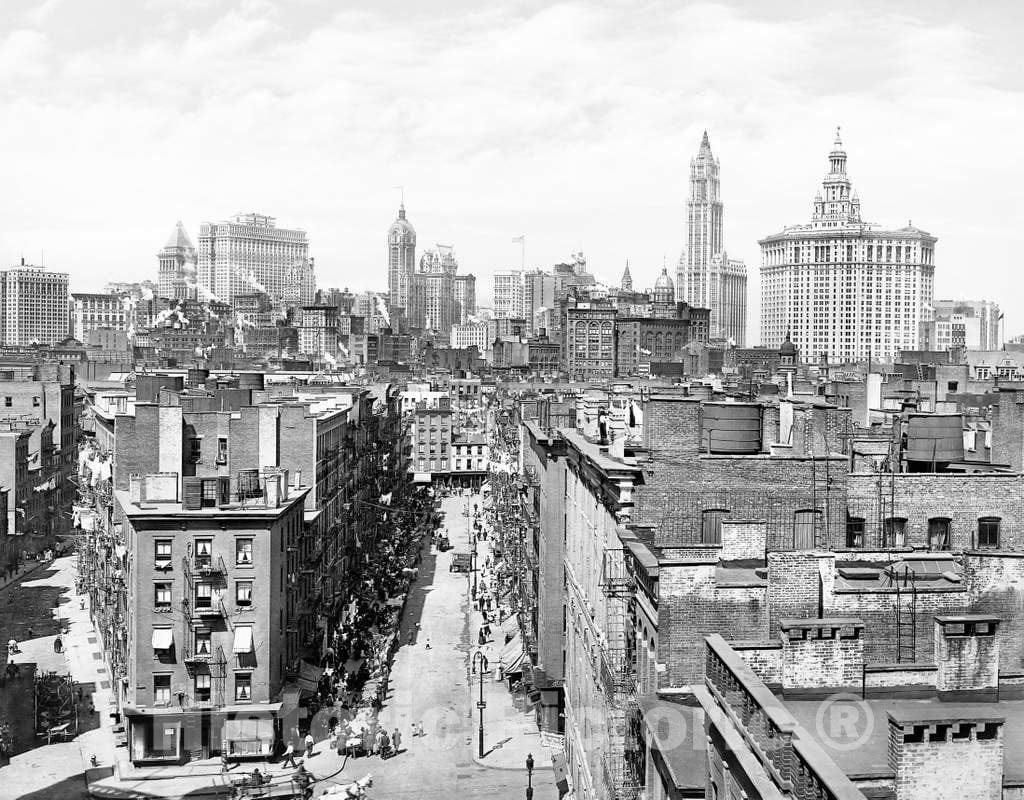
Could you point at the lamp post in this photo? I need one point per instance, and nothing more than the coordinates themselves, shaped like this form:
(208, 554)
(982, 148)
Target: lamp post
(478, 656)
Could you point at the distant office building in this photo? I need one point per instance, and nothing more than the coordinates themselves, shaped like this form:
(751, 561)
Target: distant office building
(318, 332)
(508, 294)
(465, 298)
(93, 312)
(436, 280)
(471, 334)
(401, 263)
(34, 304)
(176, 266)
(540, 291)
(843, 287)
(706, 276)
(961, 324)
(250, 253)
(590, 343)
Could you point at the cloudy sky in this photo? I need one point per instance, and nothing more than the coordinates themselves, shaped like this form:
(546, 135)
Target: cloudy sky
(572, 123)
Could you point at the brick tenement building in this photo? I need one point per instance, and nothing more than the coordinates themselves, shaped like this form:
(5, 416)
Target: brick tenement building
(792, 471)
(206, 624)
(772, 720)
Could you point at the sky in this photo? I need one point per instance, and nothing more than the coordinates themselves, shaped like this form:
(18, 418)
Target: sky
(570, 123)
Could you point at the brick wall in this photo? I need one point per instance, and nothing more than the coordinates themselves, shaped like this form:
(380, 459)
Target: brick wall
(765, 658)
(963, 499)
(137, 449)
(1008, 430)
(995, 585)
(743, 539)
(933, 768)
(794, 587)
(822, 654)
(692, 606)
(878, 612)
(967, 653)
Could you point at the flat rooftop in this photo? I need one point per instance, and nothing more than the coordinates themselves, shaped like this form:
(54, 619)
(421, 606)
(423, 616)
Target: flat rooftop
(250, 508)
(855, 733)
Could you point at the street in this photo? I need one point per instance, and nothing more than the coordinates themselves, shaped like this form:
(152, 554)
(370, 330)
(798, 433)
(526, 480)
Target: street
(432, 686)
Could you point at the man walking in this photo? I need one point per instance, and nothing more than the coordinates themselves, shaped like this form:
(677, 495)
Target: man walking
(309, 745)
(396, 740)
(289, 756)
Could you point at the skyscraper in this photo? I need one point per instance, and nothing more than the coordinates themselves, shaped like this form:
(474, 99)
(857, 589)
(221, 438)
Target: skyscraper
(706, 276)
(176, 270)
(465, 298)
(250, 253)
(508, 294)
(841, 286)
(437, 276)
(35, 305)
(402, 266)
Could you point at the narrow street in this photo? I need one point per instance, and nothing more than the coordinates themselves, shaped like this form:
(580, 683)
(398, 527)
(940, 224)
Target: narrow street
(433, 686)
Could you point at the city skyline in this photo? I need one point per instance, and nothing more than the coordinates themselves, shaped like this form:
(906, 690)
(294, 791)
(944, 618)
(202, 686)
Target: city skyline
(598, 166)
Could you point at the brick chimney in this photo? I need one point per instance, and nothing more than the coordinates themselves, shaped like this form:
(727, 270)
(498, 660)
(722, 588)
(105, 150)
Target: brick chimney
(967, 654)
(946, 756)
(822, 654)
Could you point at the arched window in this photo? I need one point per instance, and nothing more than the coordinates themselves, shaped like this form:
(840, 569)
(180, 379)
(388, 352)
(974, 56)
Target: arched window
(938, 533)
(894, 532)
(805, 523)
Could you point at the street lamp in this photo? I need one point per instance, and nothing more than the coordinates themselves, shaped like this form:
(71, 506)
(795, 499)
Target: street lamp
(481, 704)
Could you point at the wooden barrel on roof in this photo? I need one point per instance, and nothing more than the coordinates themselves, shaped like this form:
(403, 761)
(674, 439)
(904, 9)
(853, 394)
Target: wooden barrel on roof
(731, 428)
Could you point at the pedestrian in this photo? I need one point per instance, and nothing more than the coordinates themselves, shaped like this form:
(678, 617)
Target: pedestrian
(378, 741)
(58, 645)
(396, 740)
(309, 745)
(289, 756)
(428, 643)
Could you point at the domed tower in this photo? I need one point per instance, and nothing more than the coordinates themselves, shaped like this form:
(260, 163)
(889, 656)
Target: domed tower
(401, 260)
(664, 289)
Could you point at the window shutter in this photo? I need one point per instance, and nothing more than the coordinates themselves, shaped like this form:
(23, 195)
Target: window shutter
(193, 494)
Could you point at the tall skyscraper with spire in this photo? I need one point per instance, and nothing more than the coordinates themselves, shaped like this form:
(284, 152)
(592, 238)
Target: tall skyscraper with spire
(706, 276)
(402, 267)
(843, 288)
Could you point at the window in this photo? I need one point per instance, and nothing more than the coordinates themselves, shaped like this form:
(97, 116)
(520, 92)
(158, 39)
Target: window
(8, 402)
(161, 690)
(243, 686)
(988, 532)
(202, 687)
(204, 552)
(204, 595)
(162, 551)
(952, 386)
(195, 450)
(243, 552)
(161, 596)
(243, 593)
(711, 525)
(854, 532)
(805, 524)
(894, 532)
(938, 534)
(222, 450)
(211, 494)
(35, 402)
(204, 645)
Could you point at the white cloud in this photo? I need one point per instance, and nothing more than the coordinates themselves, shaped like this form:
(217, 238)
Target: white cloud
(573, 123)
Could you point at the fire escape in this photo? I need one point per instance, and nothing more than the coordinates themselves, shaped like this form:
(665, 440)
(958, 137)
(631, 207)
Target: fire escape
(618, 681)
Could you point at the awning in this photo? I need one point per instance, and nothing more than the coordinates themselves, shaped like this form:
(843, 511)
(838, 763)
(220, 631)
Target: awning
(163, 638)
(290, 696)
(510, 627)
(421, 477)
(243, 639)
(309, 672)
(260, 729)
(511, 653)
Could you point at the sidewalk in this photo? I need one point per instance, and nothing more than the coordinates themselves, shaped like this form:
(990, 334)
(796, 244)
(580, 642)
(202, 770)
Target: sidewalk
(514, 733)
(26, 568)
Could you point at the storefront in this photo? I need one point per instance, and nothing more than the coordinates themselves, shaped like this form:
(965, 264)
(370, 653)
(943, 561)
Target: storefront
(159, 736)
